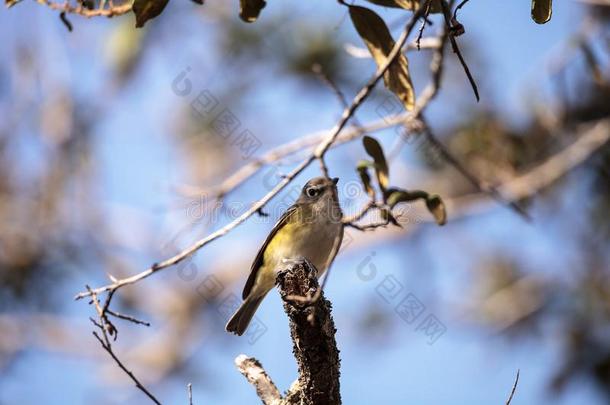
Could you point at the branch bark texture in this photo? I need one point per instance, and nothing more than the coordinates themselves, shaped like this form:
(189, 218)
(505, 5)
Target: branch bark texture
(314, 347)
(313, 335)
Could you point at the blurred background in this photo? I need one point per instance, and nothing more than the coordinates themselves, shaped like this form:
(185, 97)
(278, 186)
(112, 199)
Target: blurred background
(106, 160)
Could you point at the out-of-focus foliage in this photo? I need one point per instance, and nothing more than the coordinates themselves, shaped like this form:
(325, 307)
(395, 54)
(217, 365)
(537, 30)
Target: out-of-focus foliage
(41, 237)
(522, 301)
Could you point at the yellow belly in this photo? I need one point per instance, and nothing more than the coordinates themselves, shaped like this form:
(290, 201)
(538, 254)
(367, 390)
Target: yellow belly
(315, 241)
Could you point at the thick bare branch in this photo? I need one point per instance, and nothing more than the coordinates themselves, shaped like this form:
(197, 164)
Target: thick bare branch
(313, 334)
(253, 370)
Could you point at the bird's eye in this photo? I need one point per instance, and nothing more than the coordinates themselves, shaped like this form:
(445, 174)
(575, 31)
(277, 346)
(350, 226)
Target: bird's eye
(312, 192)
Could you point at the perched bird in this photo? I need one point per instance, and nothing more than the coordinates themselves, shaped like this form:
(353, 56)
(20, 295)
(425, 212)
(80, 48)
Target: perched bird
(309, 229)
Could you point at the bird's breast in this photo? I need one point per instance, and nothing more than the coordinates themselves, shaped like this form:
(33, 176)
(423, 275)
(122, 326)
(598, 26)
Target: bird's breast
(313, 240)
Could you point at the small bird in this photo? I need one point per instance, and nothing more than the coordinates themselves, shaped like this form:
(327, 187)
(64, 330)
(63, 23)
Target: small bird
(309, 229)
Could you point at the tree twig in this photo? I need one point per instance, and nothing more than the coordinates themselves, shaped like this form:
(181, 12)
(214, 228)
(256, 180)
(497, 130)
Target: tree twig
(127, 318)
(189, 389)
(453, 29)
(106, 345)
(256, 375)
(459, 6)
(423, 24)
(81, 9)
(106, 327)
(512, 392)
(471, 177)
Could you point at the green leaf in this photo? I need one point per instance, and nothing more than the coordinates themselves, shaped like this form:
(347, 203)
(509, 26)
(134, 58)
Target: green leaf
(437, 208)
(435, 6)
(250, 9)
(434, 203)
(365, 178)
(147, 9)
(373, 148)
(379, 41)
(542, 10)
(396, 196)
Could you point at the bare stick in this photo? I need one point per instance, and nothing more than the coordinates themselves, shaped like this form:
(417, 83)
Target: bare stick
(423, 24)
(487, 189)
(127, 318)
(253, 370)
(456, 49)
(189, 388)
(84, 11)
(512, 392)
(106, 345)
(459, 6)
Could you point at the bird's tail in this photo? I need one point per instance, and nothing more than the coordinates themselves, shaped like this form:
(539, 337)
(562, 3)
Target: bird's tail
(241, 318)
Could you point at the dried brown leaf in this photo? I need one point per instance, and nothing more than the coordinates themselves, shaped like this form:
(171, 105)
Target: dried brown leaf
(373, 148)
(147, 9)
(249, 10)
(437, 208)
(379, 41)
(542, 10)
(365, 178)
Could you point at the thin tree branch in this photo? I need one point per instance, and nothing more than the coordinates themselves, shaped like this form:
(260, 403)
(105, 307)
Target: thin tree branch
(106, 345)
(471, 177)
(423, 24)
(319, 153)
(459, 6)
(108, 328)
(591, 138)
(281, 152)
(81, 9)
(348, 135)
(127, 318)
(189, 389)
(366, 90)
(324, 78)
(512, 392)
(454, 30)
(256, 375)
(370, 226)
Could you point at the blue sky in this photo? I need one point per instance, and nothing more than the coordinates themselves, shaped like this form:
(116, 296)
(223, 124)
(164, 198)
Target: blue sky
(137, 164)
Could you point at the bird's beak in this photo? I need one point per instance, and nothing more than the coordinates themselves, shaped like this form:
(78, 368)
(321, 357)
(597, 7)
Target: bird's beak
(335, 181)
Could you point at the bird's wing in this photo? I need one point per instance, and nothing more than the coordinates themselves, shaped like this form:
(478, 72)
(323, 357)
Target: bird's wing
(258, 261)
